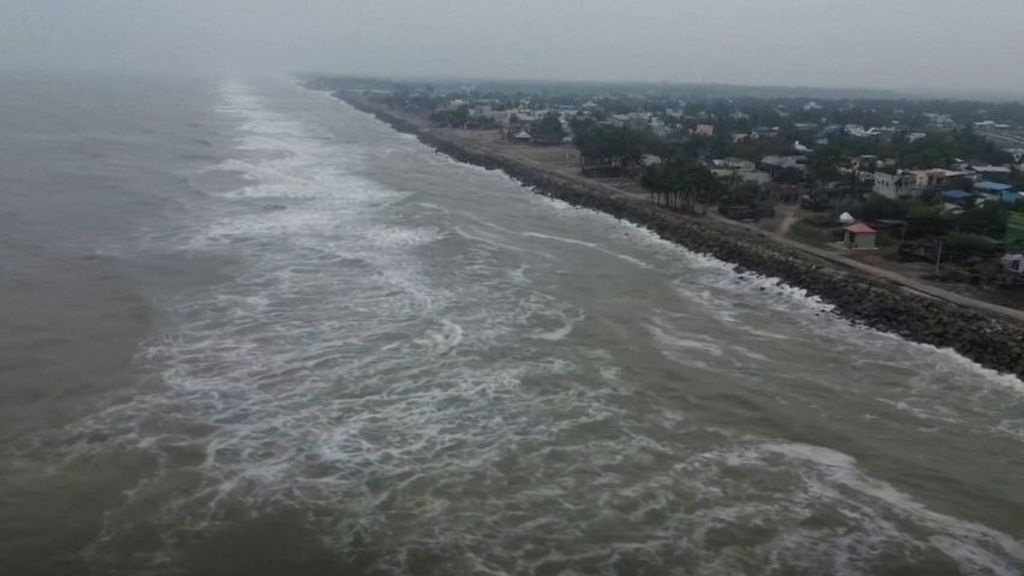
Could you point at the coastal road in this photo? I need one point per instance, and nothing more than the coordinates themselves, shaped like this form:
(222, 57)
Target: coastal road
(901, 280)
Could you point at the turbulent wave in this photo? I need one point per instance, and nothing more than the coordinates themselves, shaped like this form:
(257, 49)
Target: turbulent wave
(443, 392)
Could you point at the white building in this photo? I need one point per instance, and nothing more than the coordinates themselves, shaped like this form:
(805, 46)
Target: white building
(989, 170)
(935, 178)
(1013, 263)
(895, 185)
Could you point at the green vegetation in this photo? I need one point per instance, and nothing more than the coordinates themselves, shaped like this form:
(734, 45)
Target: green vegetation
(676, 176)
(811, 232)
(971, 243)
(600, 142)
(1015, 229)
(548, 129)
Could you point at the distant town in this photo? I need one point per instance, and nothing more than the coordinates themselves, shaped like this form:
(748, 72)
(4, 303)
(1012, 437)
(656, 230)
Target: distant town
(931, 189)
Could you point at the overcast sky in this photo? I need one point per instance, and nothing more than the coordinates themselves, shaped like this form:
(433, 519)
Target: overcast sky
(956, 45)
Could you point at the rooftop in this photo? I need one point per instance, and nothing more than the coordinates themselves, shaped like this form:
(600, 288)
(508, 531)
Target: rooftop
(992, 169)
(860, 228)
(989, 186)
(956, 194)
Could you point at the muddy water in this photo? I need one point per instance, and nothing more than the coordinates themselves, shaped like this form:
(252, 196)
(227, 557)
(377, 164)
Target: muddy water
(250, 330)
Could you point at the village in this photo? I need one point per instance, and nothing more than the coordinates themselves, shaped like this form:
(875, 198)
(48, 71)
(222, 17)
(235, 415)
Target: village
(928, 189)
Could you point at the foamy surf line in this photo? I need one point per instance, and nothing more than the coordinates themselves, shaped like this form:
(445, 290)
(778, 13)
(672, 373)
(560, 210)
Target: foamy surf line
(227, 366)
(753, 283)
(434, 410)
(403, 126)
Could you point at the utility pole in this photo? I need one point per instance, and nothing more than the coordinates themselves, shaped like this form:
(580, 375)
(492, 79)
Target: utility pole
(938, 258)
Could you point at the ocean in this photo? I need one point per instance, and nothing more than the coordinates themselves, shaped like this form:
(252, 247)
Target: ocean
(247, 329)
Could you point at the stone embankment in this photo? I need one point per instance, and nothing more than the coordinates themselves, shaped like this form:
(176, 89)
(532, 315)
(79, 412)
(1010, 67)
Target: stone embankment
(991, 340)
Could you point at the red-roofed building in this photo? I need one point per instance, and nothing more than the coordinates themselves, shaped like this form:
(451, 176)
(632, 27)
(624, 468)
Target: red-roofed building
(859, 236)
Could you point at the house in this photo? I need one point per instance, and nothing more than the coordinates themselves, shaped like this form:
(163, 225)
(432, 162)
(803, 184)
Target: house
(829, 131)
(651, 160)
(864, 163)
(859, 236)
(482, 108)
(735, 175)
(755, 176)
(1013, 263)
(939, 120)
(894, 227)
(633, 120)
(659, 128)
(765, 132)
(956, 197)
(935, 178)
(996, 191)
(895, 186)
(734, 164)
(704, 130)
(856, 130)
(991, 125)
(987, 170)
(774, 161)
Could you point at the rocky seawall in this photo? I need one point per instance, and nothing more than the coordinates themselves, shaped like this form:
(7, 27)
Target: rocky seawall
(991, 340)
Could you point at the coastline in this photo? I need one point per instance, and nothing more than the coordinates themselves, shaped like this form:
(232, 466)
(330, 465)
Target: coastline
(988, 338)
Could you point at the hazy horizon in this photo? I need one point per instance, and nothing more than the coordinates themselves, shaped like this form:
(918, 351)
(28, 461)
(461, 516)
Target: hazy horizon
(934, 46)
(481, 318)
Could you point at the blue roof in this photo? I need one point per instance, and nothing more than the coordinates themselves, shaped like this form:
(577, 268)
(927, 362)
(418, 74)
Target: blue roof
(989, 186)
(956, 194)
(1011, 197)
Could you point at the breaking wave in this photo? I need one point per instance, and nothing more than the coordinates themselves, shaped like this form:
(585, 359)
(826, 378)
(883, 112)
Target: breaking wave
(434, 389)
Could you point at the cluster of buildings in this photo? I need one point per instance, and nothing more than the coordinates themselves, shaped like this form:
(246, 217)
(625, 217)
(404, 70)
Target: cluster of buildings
(958, 185)
(516, 122)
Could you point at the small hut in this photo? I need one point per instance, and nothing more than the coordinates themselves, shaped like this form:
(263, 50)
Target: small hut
(859, 236)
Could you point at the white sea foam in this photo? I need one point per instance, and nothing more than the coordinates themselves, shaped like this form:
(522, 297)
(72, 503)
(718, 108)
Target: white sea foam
(684, 345)
(406, 407)
(561, 332)
(329, 359)
(591, 245)
(878, 516)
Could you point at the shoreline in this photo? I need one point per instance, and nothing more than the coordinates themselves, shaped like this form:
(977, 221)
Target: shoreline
(990, 339)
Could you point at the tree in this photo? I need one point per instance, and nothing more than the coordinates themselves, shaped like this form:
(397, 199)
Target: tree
(598, 142)
(823, 166)
(989, 219)
(788, 175)
(878, 208)
(683, 182)
(548, 130)
(1016, 179)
